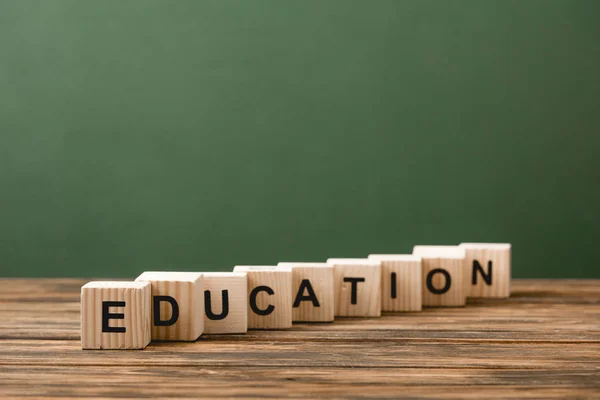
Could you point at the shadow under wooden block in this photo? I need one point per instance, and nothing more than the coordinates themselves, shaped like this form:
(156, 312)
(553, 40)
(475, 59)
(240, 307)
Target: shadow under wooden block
(401, 282)
(115, 315)
(269, 296)
(225, 302)
(312, 291)
(488, 269)
(357, 287)
(443, 282)
(177, 304)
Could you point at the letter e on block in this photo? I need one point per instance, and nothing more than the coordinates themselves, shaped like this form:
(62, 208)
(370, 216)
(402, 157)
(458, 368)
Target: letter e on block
(177, 304)
(488, 269)
(225, 302)
(115, 315)
(269, 296)
(357, 287)
(443, 272)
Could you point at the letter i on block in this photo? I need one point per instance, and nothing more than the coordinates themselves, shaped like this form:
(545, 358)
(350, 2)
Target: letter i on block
(443, 268)
(225, 302)
(357, 287)
(177, 305)
(269, 296)
(487, 269)
(401, 282)
(312, 291)
(115, 315)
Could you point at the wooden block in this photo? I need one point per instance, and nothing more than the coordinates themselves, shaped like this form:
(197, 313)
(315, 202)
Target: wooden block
(115, 315)
(401, 282)
(443, 268)
(269, 296)
(488, 269)
(312, 291)
(357, 287)
(225, 302)
(177, 304)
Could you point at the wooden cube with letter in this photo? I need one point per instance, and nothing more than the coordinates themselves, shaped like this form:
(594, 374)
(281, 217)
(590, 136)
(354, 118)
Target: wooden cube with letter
(225, 302)
(177, 304)
(488, 269)
(401, 282)
(312, 291)
(115, 315)
(269, 296)
(443, 271)
(357, 287)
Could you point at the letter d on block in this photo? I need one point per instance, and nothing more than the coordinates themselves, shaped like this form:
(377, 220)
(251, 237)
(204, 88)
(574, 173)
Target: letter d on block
(177, 304)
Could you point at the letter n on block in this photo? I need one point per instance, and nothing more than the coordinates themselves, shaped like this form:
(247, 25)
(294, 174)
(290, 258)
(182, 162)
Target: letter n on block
(357, 287)
(225, 302)
(487, 269)
(312, 291)
(177, 305)
(115, 315)
(443, 268)
(269, 296)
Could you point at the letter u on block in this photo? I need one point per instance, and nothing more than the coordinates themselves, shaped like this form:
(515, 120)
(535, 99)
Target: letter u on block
(225, 302)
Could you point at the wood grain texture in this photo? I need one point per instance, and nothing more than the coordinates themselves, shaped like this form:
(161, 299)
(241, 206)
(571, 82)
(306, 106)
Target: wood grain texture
(110, 306)
(232, 286)
(542, 342)
(401, 282)
(494, 259)
(443, 269)
(187, 290)
(357, 298)
(269, 296)
(312, 285)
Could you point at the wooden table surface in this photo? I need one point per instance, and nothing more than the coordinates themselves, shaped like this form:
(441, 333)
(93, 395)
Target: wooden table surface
(543, 342)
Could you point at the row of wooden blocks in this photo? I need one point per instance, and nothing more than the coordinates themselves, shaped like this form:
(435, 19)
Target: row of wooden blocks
(181, 306)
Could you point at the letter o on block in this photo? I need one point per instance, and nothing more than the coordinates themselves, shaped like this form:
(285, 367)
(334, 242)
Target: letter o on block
(443, 271)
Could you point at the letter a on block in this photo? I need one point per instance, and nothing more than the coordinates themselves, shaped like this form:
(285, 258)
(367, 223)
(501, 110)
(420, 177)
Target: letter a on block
(115, 315)
(357, 287)
(312, 291)
(225, 302)
(488, 269)
(443, 268)
(177, 305)
(269, 296)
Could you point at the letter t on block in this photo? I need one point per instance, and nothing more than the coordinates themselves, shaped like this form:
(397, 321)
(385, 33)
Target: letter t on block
(177, 305)
(487, 270)
(115, 315)
(357, 287)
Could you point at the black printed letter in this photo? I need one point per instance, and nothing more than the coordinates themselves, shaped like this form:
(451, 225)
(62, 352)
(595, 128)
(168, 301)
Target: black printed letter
(430, 283)
(253, 305)
(208, 308)
(354, 287)
(305, 284)
(106, 315)
(174, 307)
(486, 277)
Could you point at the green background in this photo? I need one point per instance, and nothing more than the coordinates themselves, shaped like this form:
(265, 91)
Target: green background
(197, 135)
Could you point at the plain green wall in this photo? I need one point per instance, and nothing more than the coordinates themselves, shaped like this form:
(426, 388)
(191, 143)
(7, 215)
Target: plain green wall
(198, 135)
